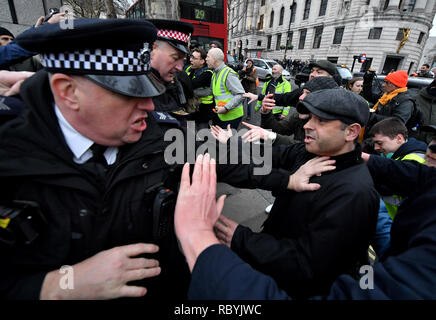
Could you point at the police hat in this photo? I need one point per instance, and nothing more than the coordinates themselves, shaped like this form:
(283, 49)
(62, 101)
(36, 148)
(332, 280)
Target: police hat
(176, 33)
(114, 53)
(336, 104)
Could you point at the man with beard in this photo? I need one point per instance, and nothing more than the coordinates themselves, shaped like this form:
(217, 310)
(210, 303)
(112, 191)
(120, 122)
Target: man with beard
(310, 238)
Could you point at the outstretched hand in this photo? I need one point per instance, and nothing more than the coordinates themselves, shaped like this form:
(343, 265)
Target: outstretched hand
(220, 134)
(197, 209)
(268, 103)
(255, 133)
(299, 181)
(253, 97)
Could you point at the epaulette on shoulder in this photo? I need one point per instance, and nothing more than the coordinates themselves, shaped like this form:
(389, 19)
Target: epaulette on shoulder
(165, 118)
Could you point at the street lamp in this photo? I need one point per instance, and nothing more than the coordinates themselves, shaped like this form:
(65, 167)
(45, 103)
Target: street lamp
(289, 27)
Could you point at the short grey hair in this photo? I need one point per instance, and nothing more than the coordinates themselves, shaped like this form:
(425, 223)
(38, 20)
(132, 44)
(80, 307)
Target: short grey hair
(217, 54)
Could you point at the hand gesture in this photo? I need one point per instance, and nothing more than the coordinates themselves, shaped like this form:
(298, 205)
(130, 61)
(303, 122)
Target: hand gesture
(299, 181)
(106, 274)
(268, 103)
(255, 133)
(10, 81)
(220, 134)
(197, 209)
(251, 96)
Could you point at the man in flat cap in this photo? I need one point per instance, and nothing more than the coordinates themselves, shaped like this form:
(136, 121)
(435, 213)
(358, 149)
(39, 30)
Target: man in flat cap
(309, 238)
(320, 68)
(81, 212)
(167, 58)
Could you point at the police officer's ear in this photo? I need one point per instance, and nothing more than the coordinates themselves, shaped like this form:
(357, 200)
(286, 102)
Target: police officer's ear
(64, 90)
(352, 132)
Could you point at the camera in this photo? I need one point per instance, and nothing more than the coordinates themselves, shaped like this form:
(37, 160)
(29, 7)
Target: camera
(52, 11)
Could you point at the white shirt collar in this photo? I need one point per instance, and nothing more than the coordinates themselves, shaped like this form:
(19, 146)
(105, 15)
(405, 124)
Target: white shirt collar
(79, 144)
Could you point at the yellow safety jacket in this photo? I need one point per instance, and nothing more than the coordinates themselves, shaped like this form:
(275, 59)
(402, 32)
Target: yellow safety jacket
(205, 99)
(282, 87)
(222, 95)
(392, 202)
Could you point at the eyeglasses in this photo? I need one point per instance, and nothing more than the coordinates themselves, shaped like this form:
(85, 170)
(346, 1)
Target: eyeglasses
(194, 58)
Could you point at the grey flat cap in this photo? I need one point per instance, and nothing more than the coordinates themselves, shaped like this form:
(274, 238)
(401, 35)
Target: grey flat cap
(336, 104)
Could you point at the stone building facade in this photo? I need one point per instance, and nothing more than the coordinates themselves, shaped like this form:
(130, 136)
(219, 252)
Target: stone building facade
(19, 15)
(391, 33)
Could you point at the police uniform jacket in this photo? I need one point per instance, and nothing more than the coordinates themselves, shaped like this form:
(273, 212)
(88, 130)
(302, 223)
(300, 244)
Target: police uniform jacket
(83, 218)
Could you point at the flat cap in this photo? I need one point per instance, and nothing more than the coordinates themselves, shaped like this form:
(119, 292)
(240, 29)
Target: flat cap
(324, 65)
(336, 104)
(319, 83)
(176, 33)
(114, 53)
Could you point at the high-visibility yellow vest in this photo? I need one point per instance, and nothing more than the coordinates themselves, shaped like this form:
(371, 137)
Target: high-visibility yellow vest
(392, 202)
(222, 95)
(206, 99)
(282, 87)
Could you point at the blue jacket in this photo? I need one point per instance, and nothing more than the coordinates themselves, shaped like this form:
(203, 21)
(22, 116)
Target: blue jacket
(407, 271)
(13, 53)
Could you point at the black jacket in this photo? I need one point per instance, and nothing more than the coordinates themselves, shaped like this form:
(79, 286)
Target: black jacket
(36, 164)
(310, 238)
(408, 272)
(83, 216)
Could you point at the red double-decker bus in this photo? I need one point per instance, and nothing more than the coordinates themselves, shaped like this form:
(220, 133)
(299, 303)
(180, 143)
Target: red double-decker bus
(209, 18)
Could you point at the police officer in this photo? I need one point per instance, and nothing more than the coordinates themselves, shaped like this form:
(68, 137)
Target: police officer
(88, 161)
(167, 57)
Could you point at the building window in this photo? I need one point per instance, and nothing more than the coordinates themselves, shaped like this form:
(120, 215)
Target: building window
(421, 36)
(375, 33)
(411, 5)
(323, 7)
(260, 25)
(282, 15)
(333, 59)
(259, 43)
(293, 11)
(317, 37)
(339, 32)
(303, 33)
(289, 41)
(306, 9)
(279, 40)
(271, 19)
(268, 46)
(262, 3)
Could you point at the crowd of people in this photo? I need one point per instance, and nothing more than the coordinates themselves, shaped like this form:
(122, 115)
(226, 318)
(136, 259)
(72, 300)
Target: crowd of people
(85, 182)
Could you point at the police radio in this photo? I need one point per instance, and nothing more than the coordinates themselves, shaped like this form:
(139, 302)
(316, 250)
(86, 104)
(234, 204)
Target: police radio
(20, 222)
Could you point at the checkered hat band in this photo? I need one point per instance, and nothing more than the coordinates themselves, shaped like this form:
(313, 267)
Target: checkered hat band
(171, 34)
(99, 60)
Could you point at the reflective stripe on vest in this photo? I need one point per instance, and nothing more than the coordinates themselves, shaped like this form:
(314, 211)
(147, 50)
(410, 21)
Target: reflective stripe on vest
(205, 99)
(222, 95)
(392, 202)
